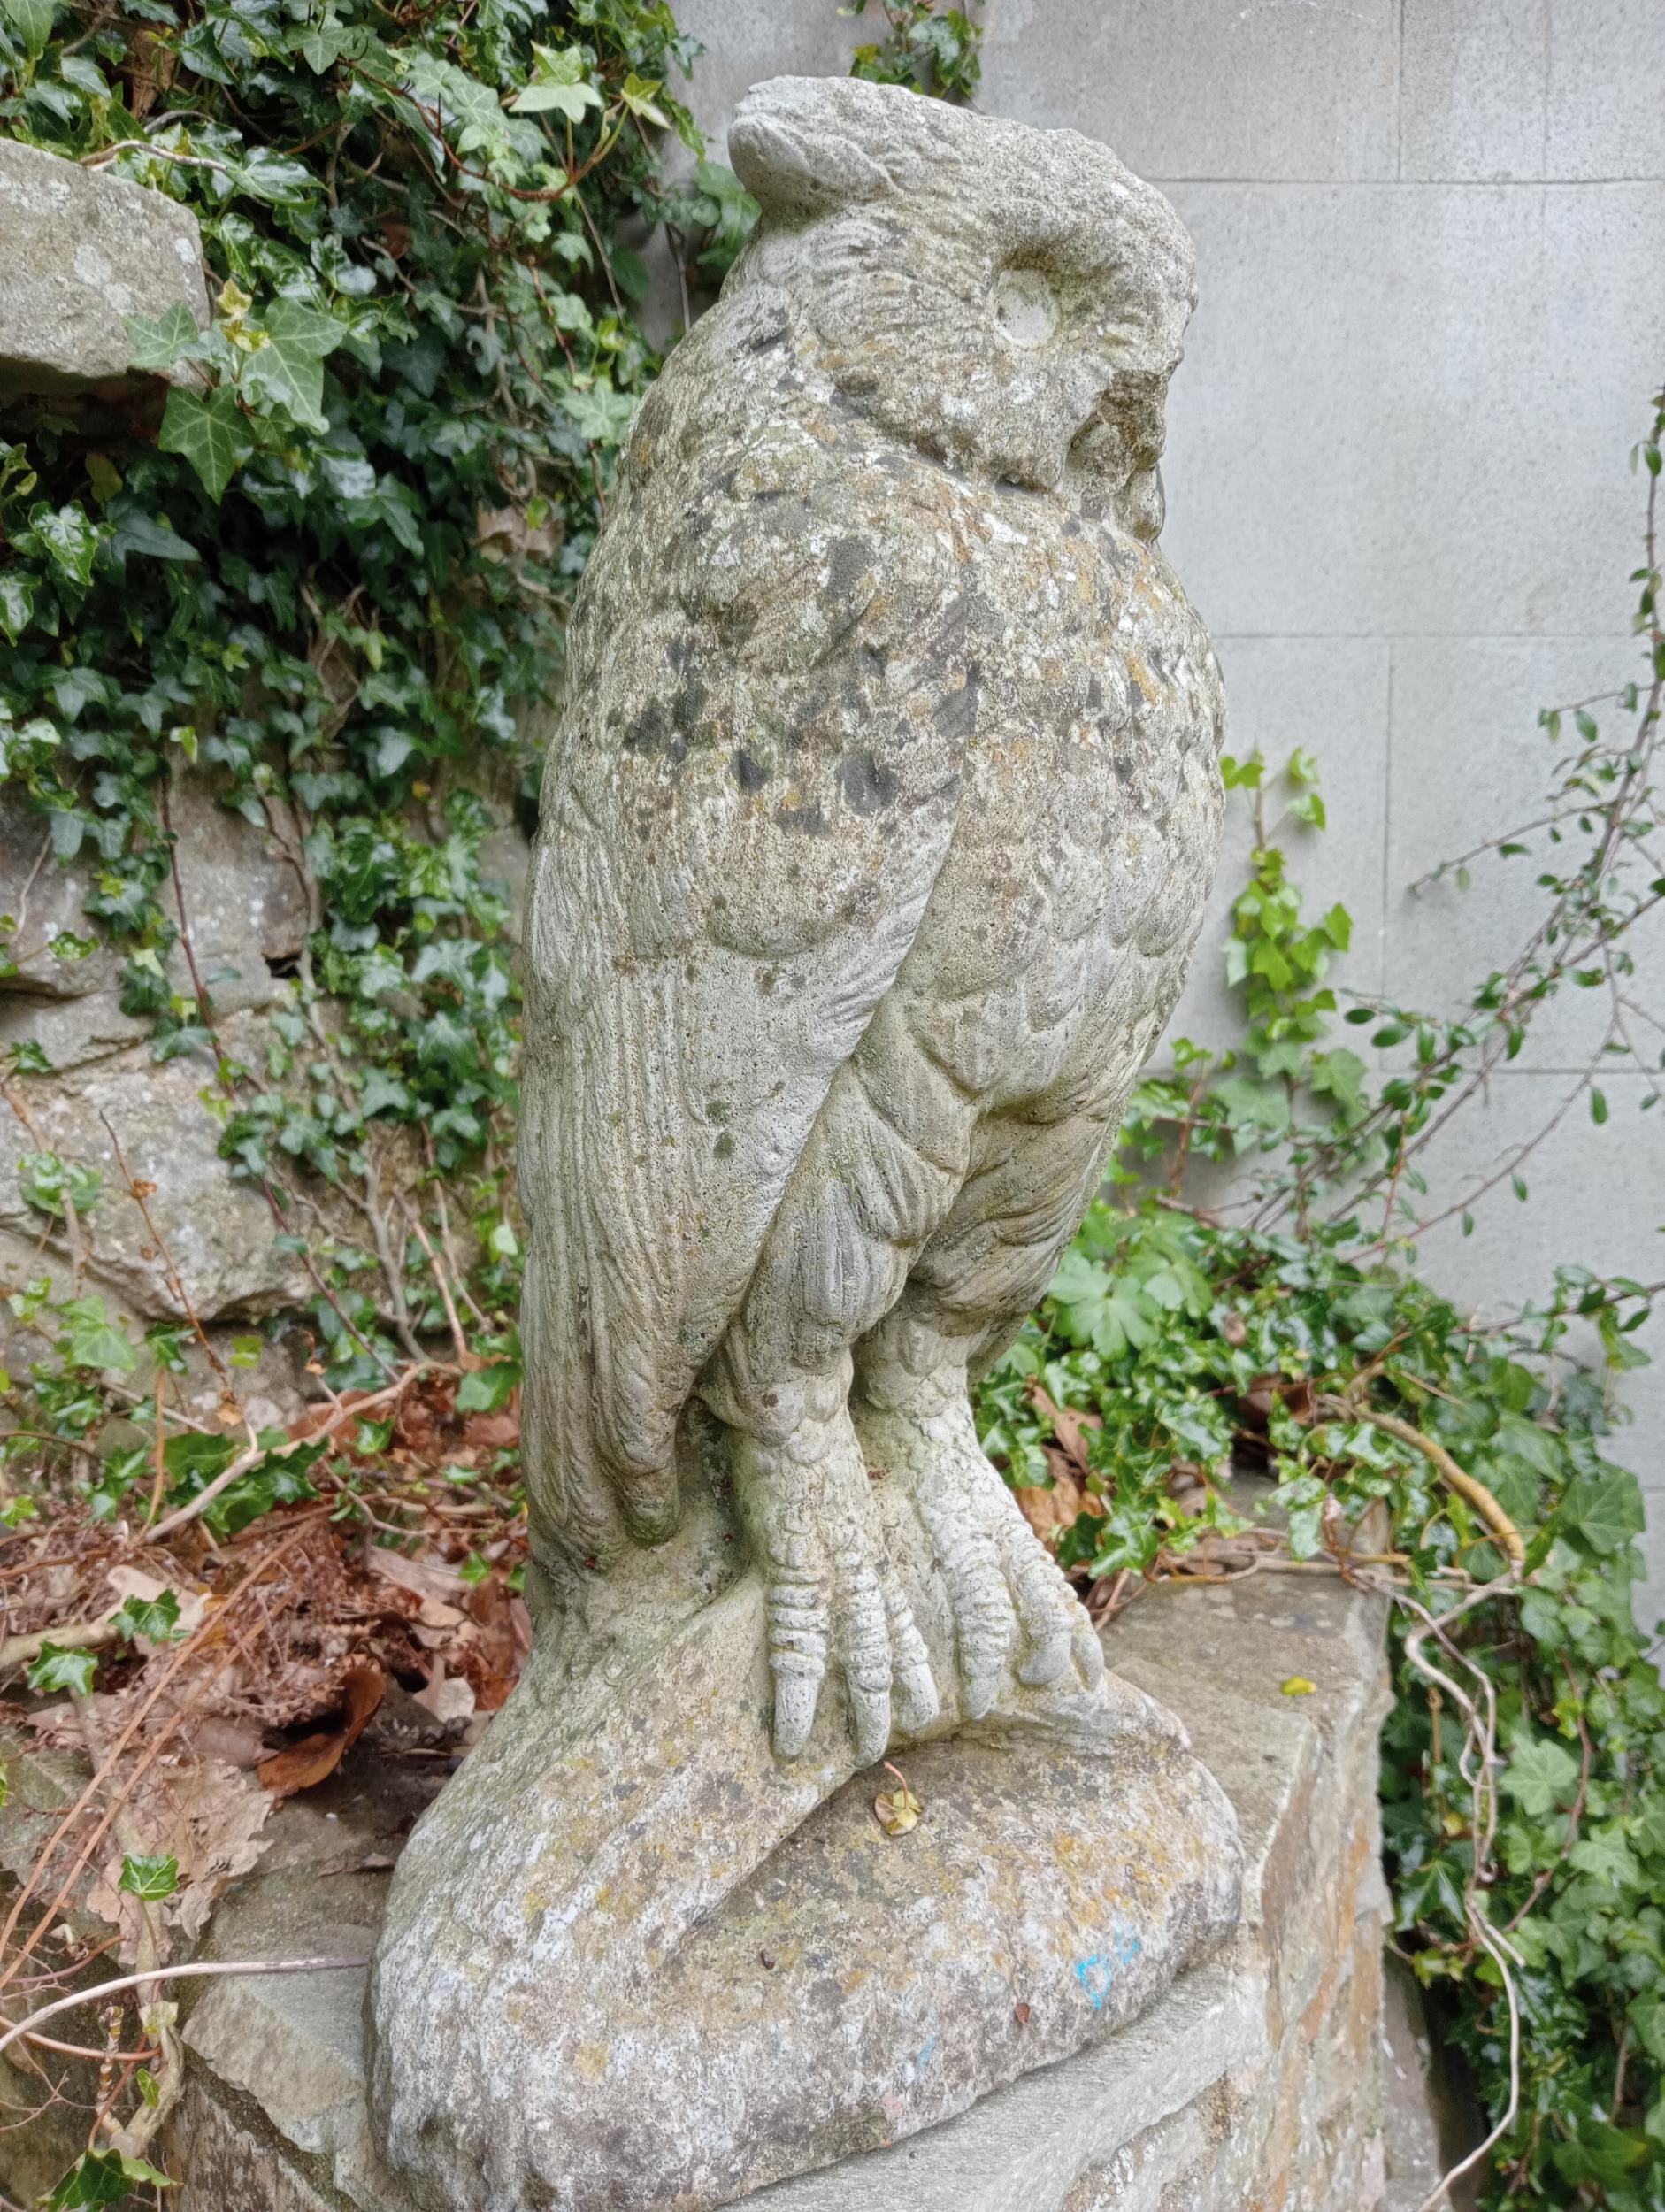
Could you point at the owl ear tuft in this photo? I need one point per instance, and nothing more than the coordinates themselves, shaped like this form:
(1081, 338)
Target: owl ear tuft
(789, 172)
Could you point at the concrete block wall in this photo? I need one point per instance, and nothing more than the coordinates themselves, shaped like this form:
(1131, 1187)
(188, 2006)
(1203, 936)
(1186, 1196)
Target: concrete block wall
(1430, 238)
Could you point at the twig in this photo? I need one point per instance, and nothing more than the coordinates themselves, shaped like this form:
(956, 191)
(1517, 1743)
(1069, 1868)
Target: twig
(256, 1452)
(17, 1651)
(1479, 1766)
(457, 1339)
(173, 1974)
(1509, 1537)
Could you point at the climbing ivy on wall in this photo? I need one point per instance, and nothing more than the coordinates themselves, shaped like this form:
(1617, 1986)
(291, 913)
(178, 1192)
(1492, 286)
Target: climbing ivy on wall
(1292, 1329)
(931, 46)
(332, 578)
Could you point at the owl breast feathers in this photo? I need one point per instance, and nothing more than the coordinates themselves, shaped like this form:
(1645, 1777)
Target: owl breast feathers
(878, 611)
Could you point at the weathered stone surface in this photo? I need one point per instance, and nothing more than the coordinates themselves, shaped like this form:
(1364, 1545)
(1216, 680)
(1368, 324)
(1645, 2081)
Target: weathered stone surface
(876, 833)
(220, 1234)
(1218, 2098)
(244, 904)
(80, 250)
(245, 909)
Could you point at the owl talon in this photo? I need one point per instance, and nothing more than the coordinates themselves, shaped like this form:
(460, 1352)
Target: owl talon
(832, 1599)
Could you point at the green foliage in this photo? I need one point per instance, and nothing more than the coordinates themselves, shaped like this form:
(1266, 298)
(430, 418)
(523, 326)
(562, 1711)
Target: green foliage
(155, 1618)
(1301, 1340)
(55, 1670)
(150, 1875)
(101, 2179)
(331, 574)
(927, 45)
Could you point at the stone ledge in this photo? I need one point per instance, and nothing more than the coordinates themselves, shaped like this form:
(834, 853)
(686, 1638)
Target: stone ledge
(1256, 2079)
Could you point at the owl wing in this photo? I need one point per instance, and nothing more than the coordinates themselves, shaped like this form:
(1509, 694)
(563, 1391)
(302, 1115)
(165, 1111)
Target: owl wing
(772, 679)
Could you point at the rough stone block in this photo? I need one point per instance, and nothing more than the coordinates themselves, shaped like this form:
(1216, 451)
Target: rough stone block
(79, 249)
(243, 901)
(220, 1233)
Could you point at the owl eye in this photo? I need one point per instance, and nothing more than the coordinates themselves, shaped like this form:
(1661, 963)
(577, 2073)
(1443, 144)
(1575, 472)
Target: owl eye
(1026, 308)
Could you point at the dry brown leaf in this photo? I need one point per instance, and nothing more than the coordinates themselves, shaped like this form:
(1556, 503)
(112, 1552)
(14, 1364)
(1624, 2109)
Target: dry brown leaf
(899, 1810)
(302, 1766)
(492, 1432)
(430, 1582)
(1069, 1424)
(209, 1817)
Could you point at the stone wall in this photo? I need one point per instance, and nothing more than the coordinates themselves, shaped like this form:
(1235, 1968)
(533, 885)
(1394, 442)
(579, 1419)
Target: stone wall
(1428, 236)
(1256, 2085)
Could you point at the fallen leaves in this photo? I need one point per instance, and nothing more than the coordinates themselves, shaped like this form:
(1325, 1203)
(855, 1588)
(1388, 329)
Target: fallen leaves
(302, 1766)
(212, 1675)
(1051, 1512)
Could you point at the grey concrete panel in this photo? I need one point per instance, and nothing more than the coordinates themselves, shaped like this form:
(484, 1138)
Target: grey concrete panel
(1330, 695)
(1206, 87)
(1472, 93)
(1408, 408)
(745, 41)
(1468, 762)
(1605, 80)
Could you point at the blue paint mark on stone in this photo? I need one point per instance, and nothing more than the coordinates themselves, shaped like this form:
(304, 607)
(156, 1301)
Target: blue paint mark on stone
(924, 2058)
(1097, 1975)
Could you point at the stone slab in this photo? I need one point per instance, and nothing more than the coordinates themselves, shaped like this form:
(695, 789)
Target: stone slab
(80, 250)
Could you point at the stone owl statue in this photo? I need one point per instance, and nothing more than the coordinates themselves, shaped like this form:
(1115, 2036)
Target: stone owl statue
(875, 836)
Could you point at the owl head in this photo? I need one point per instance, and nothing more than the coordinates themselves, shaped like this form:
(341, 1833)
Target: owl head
(1007, 299)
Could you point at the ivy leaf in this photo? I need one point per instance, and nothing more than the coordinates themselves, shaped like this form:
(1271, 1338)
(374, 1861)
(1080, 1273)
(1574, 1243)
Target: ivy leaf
(17, 603)
(99, 2179)
(1606, 1510)
(56, 1669)
(210, 433)
(154, 1619)
(150, 1875)
(288, 369)
(602, 414)
(90, 1340)
(483, 1389)
(33, 21)
(152, 536)
(66, 537)
(274, 177)
(1541, 1774)
(637, 94)
(560, 81)
(158, 341)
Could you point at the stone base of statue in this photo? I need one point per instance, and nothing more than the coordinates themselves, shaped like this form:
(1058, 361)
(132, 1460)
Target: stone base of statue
(633, 1961)
(1258, 2077)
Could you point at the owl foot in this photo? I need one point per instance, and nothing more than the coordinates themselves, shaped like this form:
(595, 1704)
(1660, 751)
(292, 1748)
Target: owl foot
(1006, 1592)
(833, 1598)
